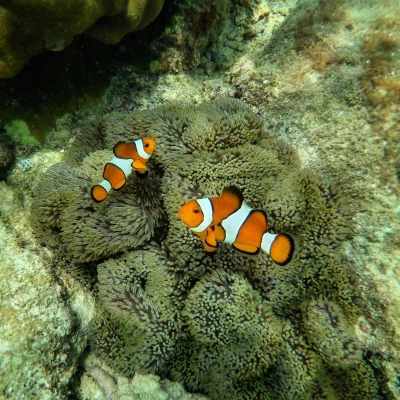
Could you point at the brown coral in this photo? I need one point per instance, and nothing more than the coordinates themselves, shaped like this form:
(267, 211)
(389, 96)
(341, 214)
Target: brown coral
(29, 27)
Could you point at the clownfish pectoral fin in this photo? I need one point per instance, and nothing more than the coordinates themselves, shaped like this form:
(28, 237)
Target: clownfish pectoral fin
(137, 164)
(98, 193)
(210, 237)
(246, 248)
(279, 246)
(142, 175)
(219, 233)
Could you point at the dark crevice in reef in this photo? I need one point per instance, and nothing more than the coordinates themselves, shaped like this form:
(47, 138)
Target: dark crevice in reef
(55, 83)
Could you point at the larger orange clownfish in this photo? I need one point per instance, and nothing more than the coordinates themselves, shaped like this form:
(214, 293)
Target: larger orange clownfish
(127, 157)
(228, 219)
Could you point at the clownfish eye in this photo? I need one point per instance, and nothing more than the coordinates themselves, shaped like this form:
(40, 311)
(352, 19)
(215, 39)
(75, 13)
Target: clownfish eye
(196, 211)
(146, 145)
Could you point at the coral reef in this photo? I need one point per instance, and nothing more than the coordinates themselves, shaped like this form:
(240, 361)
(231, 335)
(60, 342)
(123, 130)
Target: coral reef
(231, 326)
(323, 77)
(327, 82)
(29, 27)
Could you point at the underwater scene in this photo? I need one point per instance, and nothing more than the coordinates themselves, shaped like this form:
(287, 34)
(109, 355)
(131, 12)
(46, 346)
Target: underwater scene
(199, 199)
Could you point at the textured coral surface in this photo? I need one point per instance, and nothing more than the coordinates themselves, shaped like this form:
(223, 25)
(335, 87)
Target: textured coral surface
(232, 326)
(28, 27)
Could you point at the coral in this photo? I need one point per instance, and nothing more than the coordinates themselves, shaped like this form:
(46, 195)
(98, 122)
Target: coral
(25, 164)
(232, 326)
(29, 27)
(327, 82)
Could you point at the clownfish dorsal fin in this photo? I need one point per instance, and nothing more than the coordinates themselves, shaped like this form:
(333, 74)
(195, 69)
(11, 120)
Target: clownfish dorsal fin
(233, 195)
(124, 150)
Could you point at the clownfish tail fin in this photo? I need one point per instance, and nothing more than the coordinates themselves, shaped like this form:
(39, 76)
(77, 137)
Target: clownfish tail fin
(98, 193)
(279, 246)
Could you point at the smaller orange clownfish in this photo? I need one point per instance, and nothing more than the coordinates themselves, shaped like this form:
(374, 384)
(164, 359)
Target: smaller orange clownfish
(228, 219)
(127, 157)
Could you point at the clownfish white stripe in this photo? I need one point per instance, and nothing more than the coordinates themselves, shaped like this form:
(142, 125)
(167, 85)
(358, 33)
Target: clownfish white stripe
(207, 209)
(140, 149)
(125, 164)
(106, 185)
(267, 240)
(234, 222)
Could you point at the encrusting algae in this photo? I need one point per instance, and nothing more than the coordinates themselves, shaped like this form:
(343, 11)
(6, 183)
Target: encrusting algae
(232, 326)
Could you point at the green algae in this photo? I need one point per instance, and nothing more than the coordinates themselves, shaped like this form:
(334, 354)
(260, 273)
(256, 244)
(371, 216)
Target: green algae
(19, 132)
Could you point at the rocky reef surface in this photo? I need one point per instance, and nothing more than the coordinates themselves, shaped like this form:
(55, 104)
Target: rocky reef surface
(321, 87)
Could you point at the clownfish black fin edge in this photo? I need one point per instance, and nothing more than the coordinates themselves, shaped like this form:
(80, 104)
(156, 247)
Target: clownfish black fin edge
(142, 175)
(92, 195)
(235, 192)
(210, 253)
(246, 252)
(120, 187)
(210, 245)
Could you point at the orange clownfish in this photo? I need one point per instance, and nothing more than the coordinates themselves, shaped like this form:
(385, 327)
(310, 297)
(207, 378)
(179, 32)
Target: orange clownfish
(228, 219)
(127, 157)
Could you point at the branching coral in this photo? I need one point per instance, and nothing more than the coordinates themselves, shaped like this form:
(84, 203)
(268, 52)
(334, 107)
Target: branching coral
(232, 326)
